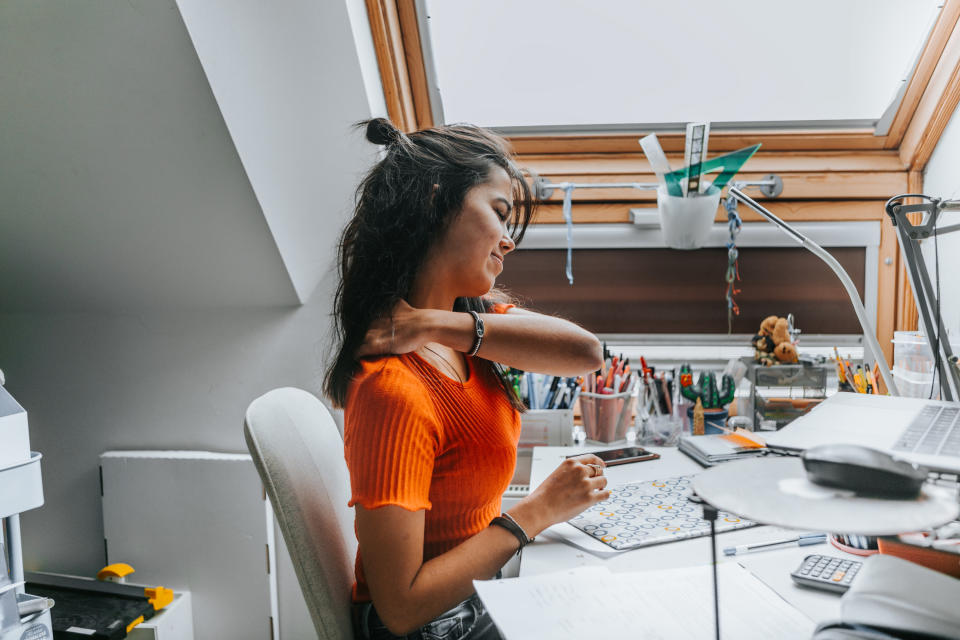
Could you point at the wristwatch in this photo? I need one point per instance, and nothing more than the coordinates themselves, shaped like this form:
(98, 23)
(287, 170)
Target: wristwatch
(478, 332)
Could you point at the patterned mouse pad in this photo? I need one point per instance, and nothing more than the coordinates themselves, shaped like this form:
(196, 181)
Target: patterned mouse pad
(649, 512)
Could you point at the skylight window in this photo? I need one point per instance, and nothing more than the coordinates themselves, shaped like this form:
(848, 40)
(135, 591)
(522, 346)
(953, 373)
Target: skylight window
(609, 63)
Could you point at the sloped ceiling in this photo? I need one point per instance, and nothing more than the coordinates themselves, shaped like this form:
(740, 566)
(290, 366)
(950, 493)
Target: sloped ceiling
(151, 158)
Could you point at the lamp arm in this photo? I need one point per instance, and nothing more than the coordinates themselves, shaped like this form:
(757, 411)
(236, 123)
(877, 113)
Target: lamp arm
(872, 343)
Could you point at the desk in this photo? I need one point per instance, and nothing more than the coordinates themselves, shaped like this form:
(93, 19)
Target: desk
(773, 567)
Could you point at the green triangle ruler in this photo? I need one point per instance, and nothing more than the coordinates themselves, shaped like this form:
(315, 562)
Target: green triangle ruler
(728, 165)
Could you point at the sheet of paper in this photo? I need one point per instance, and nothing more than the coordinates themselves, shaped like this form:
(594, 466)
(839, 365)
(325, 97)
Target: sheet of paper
(674, 604)
(571, 535)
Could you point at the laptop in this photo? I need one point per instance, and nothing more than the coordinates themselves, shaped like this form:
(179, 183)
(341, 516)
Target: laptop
(926, 432)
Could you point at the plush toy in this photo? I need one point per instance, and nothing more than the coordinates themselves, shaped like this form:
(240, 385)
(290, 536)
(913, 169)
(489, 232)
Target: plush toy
(764, 348)
(786, 352)
(773, 343)
(781, 332)
(768, 325)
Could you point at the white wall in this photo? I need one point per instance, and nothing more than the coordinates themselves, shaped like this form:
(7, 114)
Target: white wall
(942, 179)
(147, 296)
(275, 69)
(159, 380)
(120, 187)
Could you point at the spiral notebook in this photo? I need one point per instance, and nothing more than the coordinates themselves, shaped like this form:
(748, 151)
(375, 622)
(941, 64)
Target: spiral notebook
(639, 514)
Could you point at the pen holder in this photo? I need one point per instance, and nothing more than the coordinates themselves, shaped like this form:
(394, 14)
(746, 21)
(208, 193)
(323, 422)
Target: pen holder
(605, 416)
(714, 420)
(661, 431)
(686, 222)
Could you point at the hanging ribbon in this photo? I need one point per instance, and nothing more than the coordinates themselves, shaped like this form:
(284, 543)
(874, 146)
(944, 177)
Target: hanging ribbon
(568, 218)
(734, 223)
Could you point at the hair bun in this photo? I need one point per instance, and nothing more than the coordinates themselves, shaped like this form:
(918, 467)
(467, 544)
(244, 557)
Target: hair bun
(381, 131)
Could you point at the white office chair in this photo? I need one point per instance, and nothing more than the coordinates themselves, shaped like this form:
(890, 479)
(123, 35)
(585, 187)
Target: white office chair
(298, 452)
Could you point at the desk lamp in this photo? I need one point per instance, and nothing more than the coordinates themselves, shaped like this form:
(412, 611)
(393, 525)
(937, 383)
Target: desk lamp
(851, 289)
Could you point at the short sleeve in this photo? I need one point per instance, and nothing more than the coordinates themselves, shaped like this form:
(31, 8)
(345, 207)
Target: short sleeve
(391, 439)
(500, 307)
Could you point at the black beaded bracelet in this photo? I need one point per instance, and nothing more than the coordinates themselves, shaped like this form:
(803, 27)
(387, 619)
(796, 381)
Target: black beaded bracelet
(504, 520)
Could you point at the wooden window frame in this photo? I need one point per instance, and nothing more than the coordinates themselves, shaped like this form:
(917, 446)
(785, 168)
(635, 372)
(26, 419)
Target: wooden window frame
(828, 174)
(927, 104)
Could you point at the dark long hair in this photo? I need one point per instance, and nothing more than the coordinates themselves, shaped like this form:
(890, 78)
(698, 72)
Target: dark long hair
(399, 215)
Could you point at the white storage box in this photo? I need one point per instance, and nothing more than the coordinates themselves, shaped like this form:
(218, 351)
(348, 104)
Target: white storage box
(539, 428)
(22, 486)
(913, 365)
(546, 428)
(14, 435)
(200, 522)
(173, 622)
(915, 385)
(911, 353)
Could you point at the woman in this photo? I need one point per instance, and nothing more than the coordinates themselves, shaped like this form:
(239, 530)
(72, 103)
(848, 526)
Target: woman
(430, 424)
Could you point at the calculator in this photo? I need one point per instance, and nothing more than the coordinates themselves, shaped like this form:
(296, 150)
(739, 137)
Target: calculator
(826, 572)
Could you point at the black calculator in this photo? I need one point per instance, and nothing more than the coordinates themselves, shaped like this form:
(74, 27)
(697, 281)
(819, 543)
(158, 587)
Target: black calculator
(826, 572)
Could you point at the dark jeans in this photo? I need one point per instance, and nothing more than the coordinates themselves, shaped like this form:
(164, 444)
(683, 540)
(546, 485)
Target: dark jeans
(468, 620)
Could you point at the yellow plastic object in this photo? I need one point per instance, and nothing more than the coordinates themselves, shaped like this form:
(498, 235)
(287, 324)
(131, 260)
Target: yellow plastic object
(159, 597)
(134, 623)
(115, 572)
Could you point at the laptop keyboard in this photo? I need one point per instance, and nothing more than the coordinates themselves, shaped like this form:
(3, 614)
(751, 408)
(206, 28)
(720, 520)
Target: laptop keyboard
(935, 431)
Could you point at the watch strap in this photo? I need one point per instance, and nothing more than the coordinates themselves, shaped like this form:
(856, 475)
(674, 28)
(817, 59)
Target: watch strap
(505, 521)
(478, 332)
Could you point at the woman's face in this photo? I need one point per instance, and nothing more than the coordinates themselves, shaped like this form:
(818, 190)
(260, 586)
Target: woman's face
(470, 254)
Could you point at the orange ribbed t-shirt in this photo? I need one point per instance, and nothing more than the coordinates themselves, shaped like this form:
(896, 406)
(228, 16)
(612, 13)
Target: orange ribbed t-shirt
(417, 439)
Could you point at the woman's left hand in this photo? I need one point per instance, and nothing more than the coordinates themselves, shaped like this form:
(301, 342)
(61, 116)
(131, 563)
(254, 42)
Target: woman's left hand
(402, 331)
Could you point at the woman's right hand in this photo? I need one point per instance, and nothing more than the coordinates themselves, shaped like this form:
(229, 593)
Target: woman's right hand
(402, 331)
(578, 483)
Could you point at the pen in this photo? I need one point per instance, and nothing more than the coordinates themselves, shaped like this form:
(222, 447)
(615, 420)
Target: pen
(803, 540)
(573, 398)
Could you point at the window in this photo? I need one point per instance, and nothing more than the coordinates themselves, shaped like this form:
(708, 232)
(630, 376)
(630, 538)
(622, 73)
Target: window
(547, 65)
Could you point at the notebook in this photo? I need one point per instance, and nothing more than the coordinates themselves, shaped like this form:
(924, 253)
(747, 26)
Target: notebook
(638, 514)
(710, 449)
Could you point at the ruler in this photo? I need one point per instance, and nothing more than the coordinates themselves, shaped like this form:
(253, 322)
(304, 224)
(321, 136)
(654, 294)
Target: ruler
(695, 152)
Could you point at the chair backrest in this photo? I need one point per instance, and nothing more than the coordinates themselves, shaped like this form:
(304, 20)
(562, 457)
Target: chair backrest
(298, 452)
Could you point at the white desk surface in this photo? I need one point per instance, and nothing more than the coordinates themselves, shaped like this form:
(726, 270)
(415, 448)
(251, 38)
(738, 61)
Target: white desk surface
(773, 567)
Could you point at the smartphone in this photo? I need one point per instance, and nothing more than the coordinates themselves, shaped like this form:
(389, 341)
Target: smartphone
(624, 455)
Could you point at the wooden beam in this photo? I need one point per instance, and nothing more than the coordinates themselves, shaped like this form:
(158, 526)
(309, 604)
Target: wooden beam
(936, 106)
(772, 140)
(928, 60)
(770, 162)
(907, 313)
(887, 274)
(391, 60)
(814, 186)
(791, 211)
(416, 70)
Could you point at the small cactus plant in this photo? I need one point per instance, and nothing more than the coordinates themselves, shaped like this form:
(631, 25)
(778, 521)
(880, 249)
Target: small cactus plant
(706, 388)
